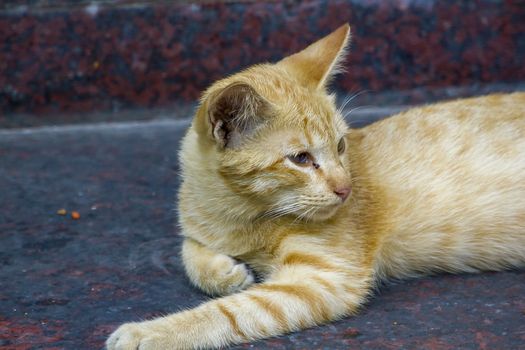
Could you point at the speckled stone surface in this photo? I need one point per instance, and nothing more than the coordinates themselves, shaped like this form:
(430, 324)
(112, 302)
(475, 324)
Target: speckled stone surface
(66, 284)
(108, 56)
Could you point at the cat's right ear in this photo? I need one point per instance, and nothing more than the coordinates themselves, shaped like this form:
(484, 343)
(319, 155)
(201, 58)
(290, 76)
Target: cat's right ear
(234, 113)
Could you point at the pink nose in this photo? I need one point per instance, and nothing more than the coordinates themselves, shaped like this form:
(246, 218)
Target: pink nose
(343, 192)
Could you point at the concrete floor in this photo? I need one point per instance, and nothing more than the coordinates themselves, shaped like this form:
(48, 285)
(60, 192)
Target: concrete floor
(66, 284)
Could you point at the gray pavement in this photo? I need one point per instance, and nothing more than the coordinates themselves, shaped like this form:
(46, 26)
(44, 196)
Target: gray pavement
(66, 283)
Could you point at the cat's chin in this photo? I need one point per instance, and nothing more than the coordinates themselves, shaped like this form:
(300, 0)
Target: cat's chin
(324, 213)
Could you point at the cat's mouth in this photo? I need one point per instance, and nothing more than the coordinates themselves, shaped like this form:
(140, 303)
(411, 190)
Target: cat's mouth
(304, 209)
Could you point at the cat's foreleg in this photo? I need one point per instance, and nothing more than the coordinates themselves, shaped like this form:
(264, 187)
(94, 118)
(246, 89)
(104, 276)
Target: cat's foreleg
(214, 273)
(304, 291)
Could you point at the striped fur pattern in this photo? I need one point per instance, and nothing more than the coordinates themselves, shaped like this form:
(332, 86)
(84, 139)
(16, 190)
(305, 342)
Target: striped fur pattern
(268, 165)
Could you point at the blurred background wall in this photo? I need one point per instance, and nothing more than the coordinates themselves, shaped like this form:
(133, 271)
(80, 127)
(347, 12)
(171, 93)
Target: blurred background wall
(69, 61)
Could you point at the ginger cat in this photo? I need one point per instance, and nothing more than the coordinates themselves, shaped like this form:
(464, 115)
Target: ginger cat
(274, 178)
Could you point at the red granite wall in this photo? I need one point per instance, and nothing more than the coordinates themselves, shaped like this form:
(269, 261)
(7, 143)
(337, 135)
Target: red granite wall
(107, 55)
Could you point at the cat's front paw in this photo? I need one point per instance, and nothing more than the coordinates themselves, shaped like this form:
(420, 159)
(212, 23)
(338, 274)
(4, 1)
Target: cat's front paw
(226, 276)
(138, 336)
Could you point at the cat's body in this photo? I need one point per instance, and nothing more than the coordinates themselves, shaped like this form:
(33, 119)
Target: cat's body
(436, 188)
(453, 180)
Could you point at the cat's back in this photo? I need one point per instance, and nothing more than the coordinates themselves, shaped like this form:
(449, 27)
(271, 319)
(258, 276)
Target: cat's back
(496, 118)
(462, 139)
(452, 179)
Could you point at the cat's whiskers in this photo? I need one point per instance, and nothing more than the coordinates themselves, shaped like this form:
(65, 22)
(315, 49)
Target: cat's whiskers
(348, 99)
(347, 113)
(350, 121)
(311, 213)
(312, 205)
(280, 209)
(289, 210)
(304, 206)
(305, 215)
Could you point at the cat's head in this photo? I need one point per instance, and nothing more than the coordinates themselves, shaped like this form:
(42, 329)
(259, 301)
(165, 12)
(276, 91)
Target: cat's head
(276, 136)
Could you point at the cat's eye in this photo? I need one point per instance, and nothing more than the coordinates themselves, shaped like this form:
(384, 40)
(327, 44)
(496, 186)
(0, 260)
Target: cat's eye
(341, 146)
(303, 158)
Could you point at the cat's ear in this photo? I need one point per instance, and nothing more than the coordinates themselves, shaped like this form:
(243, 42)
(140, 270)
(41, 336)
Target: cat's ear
(234, 113)
(315, 65)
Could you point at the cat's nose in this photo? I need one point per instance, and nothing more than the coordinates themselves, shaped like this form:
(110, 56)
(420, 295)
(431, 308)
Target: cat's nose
(343, 192)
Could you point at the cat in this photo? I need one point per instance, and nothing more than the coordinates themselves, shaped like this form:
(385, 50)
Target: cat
(274, 179)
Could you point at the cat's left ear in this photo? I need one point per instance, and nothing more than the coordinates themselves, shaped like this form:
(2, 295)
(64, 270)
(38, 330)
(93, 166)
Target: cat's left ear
(315, 65)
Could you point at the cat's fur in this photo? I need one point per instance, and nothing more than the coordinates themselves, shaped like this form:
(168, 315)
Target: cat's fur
(437, 188)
